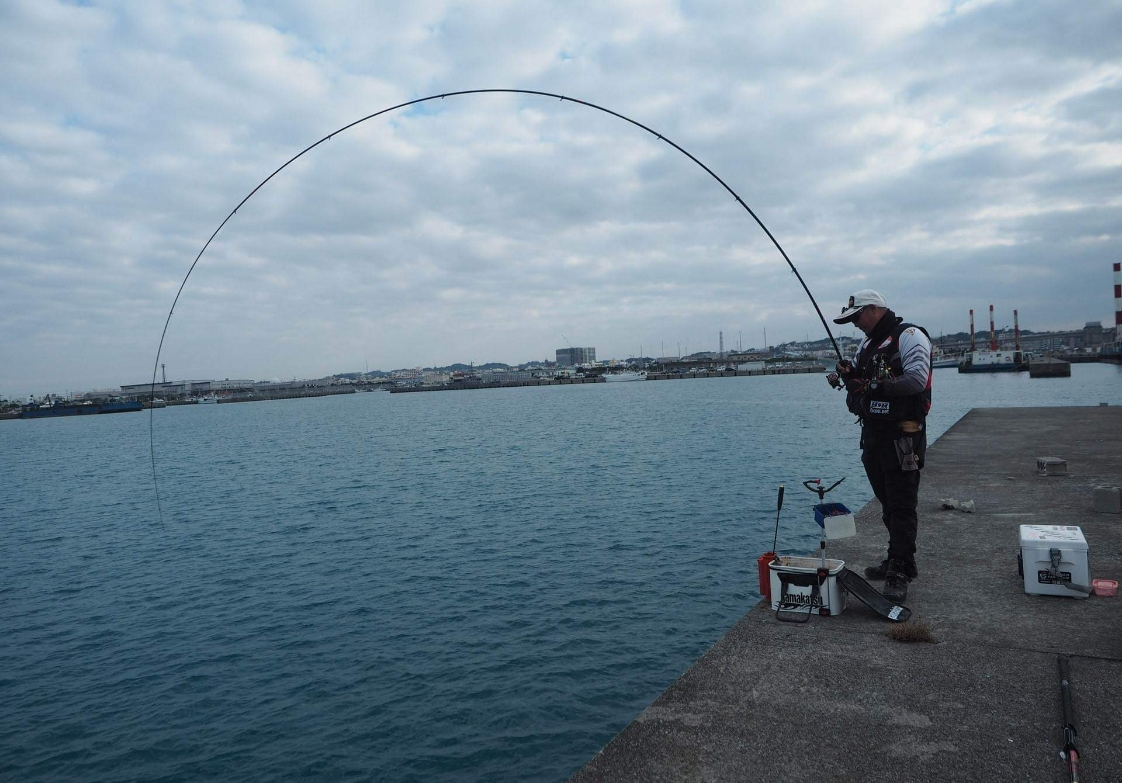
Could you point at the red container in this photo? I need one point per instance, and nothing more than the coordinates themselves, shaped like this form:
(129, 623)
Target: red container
(766, 559)
(1105, 586)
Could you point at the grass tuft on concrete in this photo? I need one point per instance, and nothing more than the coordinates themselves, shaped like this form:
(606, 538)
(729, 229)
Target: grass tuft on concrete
(912, 631)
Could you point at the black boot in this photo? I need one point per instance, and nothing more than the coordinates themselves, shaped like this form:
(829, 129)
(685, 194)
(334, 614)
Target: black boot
(881, 571)
(895, 582)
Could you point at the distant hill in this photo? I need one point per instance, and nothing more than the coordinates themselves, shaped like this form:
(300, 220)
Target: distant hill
(354, 376)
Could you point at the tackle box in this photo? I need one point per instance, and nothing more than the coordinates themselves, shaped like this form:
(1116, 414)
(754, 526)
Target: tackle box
(1051, 557)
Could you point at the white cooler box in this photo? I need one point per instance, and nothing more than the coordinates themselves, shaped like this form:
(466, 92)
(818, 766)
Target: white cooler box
(800, 576)
(1053, 556)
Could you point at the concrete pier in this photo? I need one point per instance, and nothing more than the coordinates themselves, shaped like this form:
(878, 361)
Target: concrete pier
(1048, 367)
(837, 699)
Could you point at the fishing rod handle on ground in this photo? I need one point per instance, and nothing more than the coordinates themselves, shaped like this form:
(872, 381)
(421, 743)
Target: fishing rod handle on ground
(1065, 694)
(1070, 752)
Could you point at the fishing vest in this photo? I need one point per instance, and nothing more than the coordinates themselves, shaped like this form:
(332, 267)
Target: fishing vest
(878, 360)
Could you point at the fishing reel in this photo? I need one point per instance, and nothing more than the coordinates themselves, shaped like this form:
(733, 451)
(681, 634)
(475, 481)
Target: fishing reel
(835, 379)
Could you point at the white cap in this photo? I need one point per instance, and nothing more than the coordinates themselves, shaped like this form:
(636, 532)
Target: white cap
(857, 302)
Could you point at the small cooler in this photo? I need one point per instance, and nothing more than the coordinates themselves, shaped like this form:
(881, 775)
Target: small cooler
(1051, 557)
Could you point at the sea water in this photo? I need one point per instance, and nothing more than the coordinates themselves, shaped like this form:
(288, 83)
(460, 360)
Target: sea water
(476, 585)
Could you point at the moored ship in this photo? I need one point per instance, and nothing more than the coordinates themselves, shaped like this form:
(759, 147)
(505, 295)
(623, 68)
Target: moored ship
(627, 375)
(940, 358)
(994, 361)
(37, 411)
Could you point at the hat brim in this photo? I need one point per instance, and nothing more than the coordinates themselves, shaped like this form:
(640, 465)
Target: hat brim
(849, 314)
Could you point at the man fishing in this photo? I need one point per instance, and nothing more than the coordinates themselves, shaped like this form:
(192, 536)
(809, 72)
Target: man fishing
(888, 388)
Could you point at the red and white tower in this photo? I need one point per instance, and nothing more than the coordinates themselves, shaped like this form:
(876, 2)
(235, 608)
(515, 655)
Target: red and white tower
(993, 332)
(1118, 302)
(971, 330)
(1016, 333)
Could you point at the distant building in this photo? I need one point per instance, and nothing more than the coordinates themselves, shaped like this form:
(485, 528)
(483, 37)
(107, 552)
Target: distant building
(1088, 339)
(505, 376)
(183, 387)
(276, 386)
(104, 394)
(165, 388)
(568, 357)
(229, 385)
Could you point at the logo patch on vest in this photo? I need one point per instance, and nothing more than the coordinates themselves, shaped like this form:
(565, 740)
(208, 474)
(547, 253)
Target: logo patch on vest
(885, 344)
(879, 406)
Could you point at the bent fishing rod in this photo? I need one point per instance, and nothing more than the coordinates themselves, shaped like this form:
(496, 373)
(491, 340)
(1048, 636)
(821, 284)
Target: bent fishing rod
(442, 96)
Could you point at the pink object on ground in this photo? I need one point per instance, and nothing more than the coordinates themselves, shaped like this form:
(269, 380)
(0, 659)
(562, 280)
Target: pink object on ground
(1104, 586)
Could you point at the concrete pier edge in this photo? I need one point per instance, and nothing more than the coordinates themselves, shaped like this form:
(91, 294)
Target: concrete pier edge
(837, 699)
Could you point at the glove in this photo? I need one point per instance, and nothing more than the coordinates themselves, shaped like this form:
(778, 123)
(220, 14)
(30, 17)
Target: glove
(844, 367)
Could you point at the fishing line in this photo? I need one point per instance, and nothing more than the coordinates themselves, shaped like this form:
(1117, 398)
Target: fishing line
(442, 96)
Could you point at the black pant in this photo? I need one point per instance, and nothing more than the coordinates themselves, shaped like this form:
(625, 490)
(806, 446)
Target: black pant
(896, 489)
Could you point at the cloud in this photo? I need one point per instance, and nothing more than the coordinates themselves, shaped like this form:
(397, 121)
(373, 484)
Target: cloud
(950, 154)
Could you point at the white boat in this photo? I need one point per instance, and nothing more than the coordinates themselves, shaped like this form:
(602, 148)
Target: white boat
(210, 399)
(941, 357)
(627, 375)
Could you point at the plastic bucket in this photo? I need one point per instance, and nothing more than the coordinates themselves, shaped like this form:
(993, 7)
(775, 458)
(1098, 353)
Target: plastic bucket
(765, 560)
(835, 519)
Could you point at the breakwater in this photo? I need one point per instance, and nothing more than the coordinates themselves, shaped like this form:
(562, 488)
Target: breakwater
(662, 376)
(796, 370)
(838, 699)
(463, 385)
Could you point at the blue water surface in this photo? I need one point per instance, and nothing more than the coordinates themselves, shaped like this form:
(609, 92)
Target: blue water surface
(481, 585)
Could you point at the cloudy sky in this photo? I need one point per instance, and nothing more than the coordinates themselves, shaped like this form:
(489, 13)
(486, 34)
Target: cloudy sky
(950, 154)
